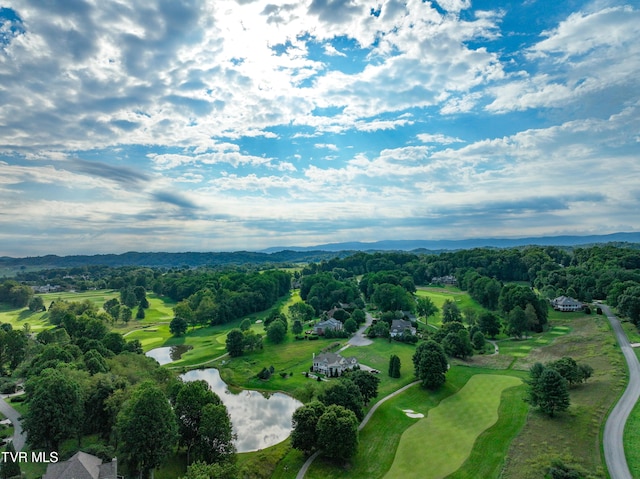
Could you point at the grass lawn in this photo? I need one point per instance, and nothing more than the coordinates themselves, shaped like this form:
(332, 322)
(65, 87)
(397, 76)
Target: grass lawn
(439, 295)
(160, 310)
(573, 436)
(447, 435)
(382, 434)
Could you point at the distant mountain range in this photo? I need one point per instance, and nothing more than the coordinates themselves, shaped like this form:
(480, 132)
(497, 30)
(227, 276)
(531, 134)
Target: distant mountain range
(293, 254)
(440, 245)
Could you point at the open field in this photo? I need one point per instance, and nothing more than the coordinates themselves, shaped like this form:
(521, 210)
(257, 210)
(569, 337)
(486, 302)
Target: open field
(439, 295)
(574, 436)
(160, 310)
(447, 435)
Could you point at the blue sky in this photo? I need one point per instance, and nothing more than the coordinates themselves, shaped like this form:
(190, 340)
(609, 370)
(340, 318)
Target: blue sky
(243, 124)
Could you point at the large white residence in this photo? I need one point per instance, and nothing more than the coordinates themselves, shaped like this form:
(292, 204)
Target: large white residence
(566, 303)
(332, 364)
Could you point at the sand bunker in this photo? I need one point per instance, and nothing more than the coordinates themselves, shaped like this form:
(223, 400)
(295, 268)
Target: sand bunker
(412, 414)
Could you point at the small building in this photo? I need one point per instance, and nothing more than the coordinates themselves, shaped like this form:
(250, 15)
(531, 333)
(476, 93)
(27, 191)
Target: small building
(448, 279)
(83, 466)
(566, 303)
(399, 326)
(331, 323)
(333, 364)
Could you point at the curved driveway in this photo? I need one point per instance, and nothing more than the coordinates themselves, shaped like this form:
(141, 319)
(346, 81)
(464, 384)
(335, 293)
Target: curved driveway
(19, 435)
(614, 428)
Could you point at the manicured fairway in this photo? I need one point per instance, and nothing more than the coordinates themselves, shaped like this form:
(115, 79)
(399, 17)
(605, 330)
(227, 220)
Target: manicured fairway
(446, 436)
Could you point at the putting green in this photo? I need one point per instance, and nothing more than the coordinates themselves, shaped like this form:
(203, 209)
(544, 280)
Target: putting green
(438, 445)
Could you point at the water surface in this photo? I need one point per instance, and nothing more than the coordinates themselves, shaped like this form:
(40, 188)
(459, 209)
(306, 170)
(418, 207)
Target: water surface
(168, 354)
(259, 420)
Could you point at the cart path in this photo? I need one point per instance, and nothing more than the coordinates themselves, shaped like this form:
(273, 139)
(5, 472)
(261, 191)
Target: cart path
(305, 466)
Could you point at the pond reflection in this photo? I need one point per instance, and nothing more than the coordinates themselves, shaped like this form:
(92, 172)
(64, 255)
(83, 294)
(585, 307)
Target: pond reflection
(168, 354)
(259, 421)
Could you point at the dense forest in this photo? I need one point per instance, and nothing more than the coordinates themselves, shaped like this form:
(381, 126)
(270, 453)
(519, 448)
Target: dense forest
(105, 379)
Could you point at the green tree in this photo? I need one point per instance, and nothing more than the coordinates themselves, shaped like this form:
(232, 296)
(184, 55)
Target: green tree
(350, 326)
(548, 390)
(367, 383)
(183, 310)
(214, 442)
(458, 344)
(36, 304)
(450, 312)
(338, 433)
(629, 304)
(304, 435)
(394, 366)
(489, 324)
(178, 326)
(112, 307)
(430, 364)
(516, 322)
(359, 316)
(297, 327)
(301, 311)
(478, 340)
(276, 332)
(125, 314)
(55, 409)
(235, 343)
(9, 468)
(146, 428)
(202, 470)
(245, 325)
(344, 393)
(192, 397)
(140, 314)
(426, 307)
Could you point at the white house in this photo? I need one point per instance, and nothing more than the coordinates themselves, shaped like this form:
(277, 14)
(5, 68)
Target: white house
(332, 364)
(399, 326)
(566, 303)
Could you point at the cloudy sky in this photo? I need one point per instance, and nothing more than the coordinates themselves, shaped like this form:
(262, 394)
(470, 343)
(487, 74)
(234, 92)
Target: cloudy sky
(217, 125)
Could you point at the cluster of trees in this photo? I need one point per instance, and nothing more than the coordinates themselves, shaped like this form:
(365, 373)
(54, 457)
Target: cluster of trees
(330, 424)
(322, 291)
(548, 384)
(239, 341)
(140, 411)
(430, 364)
(216, 298)
(15, 294)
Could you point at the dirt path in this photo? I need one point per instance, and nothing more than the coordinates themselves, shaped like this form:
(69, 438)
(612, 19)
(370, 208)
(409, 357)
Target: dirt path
(614, 428)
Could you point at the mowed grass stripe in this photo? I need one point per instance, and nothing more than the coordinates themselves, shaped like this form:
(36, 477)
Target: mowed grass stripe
(446, 436)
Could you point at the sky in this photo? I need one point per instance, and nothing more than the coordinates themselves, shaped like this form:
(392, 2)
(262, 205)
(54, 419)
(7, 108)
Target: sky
(226, 125)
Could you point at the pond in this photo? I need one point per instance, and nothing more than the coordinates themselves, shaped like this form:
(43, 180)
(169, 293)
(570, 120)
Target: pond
(168, 354)
(259, 420)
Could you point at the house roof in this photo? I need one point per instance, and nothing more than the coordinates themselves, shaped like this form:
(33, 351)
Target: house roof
(331, 322)
(334, 359)
(81, 466)
(565, 300)
(399, 325)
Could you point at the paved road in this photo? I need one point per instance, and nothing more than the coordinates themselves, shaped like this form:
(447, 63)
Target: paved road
(614, 428)
(19, 437)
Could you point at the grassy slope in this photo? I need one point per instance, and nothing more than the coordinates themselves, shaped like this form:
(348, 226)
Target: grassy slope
(574, 436)
(449, 432)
